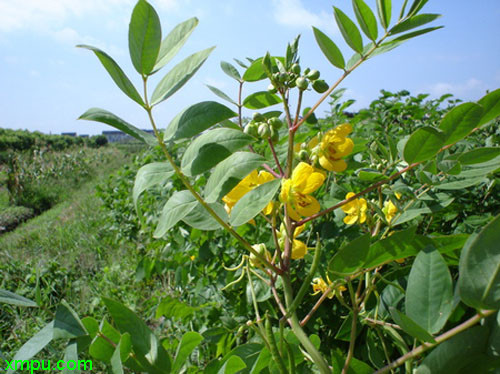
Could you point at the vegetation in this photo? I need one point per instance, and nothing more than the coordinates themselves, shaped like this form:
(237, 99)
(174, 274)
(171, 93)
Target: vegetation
(358, 243)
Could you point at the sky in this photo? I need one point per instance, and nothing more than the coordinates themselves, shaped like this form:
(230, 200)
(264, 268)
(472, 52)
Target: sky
(46, 83)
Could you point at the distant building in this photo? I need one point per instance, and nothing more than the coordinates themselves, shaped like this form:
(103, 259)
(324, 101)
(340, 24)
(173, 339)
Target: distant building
(116, 136)
(84, 135)
(69, 133)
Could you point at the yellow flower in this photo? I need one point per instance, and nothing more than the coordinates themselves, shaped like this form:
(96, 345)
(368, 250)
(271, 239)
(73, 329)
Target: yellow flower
(320, 286)
(390, 209)
(295, 191)
(334, 146)
(247, 184)
(299, 248)
(192, 257)
(355, 210)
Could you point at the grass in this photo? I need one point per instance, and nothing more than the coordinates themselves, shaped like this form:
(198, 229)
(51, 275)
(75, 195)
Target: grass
(65, 253)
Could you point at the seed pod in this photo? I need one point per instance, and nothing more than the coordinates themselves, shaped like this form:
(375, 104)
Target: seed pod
(302, 83)
(320, 86)
(295, 68)
(275, 123)
(313, 75)
(264, 130)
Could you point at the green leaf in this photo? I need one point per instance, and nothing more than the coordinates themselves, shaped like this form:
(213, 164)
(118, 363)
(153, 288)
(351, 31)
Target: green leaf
(423, 144)
(355, 367)
(349, 30)
(116, 361)
(254, 202)
(174, 41)
(103, 116)
(14, 299)
(491, 107)
(255, 72)
(100, 348)
(173, 308)
(233, 365)
(399, 245)
(370, 176)
(200, 219)
(230, 70)
(144, 37)
(384, 12)
(479, 269)
(329, 49)
(261, 99)
(116, 73)
(177, 207)
(416, 6)
(71, 354)
(350, 258)
(452, 355)
(366, 19)
(144, 342)
(150, 175)
(460, 121)
(429, 294)
(410, 326)
(211, 147)
(413, 22)
(415, 34)
(189, 342)
(179, 75)
(221, 94)
(460, 184)
(35, 344)
(479, 155)
(229, 173)
(67, 324)
(197, 118)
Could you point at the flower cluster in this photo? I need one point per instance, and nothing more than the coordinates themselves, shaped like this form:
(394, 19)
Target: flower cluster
(355, 210)
(320, 286)
(390, 209)
(299, 248)
(334, 146)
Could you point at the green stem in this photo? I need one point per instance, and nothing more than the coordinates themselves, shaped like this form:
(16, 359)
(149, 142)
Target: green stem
(441, 338)
(352, 340)
(299, 332)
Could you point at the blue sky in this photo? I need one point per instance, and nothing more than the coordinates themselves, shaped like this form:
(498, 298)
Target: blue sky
(46, 83)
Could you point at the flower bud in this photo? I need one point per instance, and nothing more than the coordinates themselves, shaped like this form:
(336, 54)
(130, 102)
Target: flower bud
(257, 117)
(303, 155)
(313, 75)
(271, 89)
(262, 250)
(275, 135)
(295, 68)
(283, 77)
(264, 130)
(275, 122)
(302, 83)
(320, 86)
(251, 129)
(306, 71)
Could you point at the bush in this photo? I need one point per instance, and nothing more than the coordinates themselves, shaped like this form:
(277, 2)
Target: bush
(11, 217)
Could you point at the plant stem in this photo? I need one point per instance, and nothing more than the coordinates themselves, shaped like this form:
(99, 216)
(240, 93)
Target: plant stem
(197, 196)
(316, 356)
(441, 338)
(352, 341)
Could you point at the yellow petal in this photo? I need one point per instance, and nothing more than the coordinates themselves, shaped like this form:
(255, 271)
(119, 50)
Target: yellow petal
(350, 219)
(362, 217)
(292, 213)
(285, 190)
(344, 148)
(264, 177)
(344, 129)
(299, 249)
(300, 175)
(313, 142)
(314, 182)
(299, 230)
(307, 206)
(269, 208)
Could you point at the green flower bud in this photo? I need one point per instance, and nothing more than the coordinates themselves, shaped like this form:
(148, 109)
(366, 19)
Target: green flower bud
(296, 68)
(313, 75)
(275, 122)
(302, 83)
(262, 250)
(283, 77)
(264, 131)
(257, 117)
(275, 135)
(306, 71)
(320, 86)
(251, 129)
(303, 155)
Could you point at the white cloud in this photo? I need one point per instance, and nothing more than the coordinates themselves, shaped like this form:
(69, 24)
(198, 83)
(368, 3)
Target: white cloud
(293, 13)
(470, 88)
